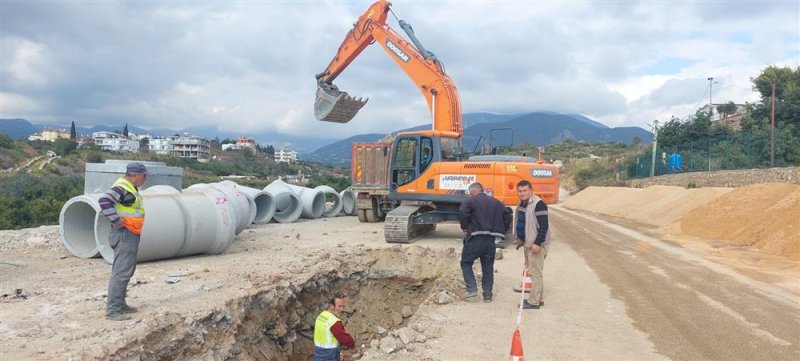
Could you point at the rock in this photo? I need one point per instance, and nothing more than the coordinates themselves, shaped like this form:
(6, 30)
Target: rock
(498, 254)
(420, 338)
(380, 330)
(36, 241)
(390, 344)
(406, 312)
(407, 335)
(443, 298)
(410, 347)
(397, 318)
(374, 343)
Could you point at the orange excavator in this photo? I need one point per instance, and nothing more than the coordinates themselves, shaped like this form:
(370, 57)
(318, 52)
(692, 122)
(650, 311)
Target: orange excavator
(418, 179)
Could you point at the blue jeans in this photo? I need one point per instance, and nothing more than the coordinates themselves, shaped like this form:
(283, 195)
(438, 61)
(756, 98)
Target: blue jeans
(479, 247)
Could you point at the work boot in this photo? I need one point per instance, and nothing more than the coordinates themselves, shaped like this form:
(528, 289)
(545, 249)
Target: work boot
(129, 309)
(530, 306)
(487, 300)
(117, 316)
(470, 294)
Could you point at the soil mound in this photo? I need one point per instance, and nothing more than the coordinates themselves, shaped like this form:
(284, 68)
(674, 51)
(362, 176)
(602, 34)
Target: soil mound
(764, 216)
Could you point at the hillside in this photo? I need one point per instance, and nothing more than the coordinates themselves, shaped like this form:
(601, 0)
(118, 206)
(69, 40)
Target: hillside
(537, 128)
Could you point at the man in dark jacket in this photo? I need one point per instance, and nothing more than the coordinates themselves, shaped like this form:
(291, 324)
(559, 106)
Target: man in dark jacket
(482, 219)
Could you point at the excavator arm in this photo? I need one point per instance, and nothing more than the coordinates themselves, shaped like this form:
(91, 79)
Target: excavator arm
(420, 65)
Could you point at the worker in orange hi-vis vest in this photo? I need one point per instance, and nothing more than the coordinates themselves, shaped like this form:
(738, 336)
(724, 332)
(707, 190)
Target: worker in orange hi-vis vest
(124, 208)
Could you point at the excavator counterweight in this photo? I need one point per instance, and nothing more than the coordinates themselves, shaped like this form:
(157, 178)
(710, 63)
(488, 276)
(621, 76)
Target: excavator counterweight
(334, 105)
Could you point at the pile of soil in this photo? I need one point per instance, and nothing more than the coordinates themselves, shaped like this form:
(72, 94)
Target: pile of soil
(764, 216)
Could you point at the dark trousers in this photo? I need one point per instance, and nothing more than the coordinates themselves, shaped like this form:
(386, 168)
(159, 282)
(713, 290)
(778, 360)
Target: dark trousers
(479, 247)
(126, 246)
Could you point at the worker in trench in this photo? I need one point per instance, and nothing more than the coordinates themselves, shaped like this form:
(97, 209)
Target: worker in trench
(483, 218)
(124, 208)
(329, 333)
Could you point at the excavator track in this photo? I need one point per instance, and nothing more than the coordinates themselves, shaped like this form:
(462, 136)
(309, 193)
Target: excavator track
(398, 227)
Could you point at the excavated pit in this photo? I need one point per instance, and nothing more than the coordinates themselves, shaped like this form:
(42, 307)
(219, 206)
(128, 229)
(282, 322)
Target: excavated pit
(276, 322)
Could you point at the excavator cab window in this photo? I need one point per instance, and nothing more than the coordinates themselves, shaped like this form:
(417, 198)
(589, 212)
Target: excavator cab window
(404, 164)
(426, 153)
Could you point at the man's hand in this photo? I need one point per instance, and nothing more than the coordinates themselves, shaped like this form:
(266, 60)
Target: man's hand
(535, 249)
(119, 225)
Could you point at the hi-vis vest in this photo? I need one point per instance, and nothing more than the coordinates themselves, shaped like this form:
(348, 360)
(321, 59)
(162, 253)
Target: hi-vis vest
(323, 337)
(132, 216)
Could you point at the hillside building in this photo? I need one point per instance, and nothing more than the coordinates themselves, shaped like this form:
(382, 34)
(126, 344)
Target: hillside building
(286, 155)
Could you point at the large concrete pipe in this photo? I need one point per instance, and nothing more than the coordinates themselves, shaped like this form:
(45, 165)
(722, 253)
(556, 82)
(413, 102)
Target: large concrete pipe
(78, 223)
(348, 202)
(311, 200)
(243, 206)
(287, 204)
(336, 207)
(180, 224)
(265, 204)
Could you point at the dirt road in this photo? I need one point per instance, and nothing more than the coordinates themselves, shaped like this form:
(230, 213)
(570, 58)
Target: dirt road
(611, 293)
(690, 308)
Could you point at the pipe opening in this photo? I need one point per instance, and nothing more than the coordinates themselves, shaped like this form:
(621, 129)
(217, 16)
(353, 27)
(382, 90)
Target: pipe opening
(287, 207)
(77, 228)
(265, 208)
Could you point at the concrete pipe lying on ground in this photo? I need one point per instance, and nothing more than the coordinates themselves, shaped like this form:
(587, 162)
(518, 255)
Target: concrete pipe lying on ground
(312, 203)
(336, 207)
(311, 200)
(180, 224)
(243, 206)
(78, 223)
(348, 202)
(265, 204)
(287, 204)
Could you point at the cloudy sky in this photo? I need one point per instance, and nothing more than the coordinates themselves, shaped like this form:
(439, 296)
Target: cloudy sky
(248, 66)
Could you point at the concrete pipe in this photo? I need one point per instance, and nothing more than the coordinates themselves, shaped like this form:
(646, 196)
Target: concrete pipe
(244, 207)
(334, 208)
(265, 204)
(311, 200)
(348, 202)
(287, 204)
(180, 224)
(78, 222)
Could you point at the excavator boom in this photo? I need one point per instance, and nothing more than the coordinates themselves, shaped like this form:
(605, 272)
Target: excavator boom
(420, 65)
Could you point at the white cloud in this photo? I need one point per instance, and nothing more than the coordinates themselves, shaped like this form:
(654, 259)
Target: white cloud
(249, 66)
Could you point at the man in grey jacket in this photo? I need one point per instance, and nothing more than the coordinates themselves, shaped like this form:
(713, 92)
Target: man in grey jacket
(532, 231)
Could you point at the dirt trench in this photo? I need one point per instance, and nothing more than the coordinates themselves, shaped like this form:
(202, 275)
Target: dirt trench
(276, 322)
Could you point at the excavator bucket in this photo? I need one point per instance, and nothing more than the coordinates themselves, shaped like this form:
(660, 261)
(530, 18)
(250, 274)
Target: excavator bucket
(334, 105)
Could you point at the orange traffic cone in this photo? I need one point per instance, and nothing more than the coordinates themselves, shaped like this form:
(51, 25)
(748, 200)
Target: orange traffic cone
(527, 283)
(516, 347)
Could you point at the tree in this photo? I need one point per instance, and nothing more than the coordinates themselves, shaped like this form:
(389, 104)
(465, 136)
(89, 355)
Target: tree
(636, 140)
(144, 145)
(727, 109)
(63, 146)
(125, 130)
(787, 94)
(72, 132)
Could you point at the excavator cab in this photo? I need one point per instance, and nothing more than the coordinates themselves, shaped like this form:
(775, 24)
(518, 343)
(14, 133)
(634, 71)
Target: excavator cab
(334, 105)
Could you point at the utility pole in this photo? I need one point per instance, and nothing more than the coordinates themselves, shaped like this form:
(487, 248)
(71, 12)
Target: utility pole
(772, 130)
(655, 146)
(710, 80)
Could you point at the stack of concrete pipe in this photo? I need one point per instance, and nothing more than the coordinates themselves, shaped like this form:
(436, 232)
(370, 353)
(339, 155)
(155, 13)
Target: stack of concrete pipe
(177, 224)
(203, 219)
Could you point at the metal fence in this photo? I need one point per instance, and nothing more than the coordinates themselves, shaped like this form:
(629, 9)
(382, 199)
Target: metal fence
(741, 150)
